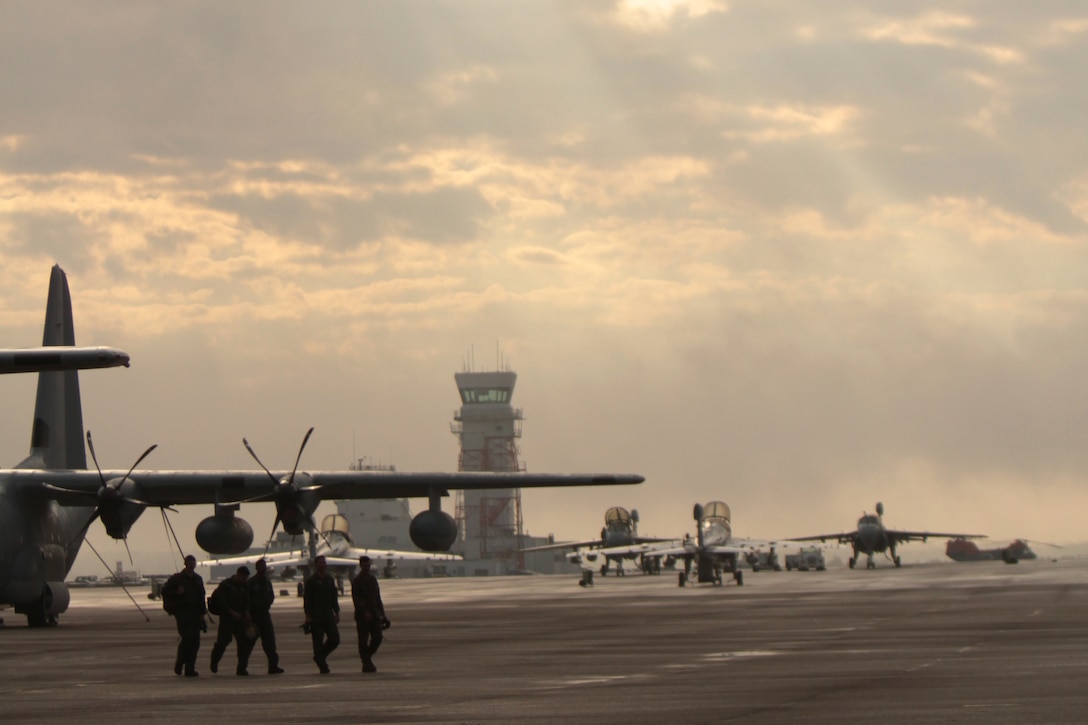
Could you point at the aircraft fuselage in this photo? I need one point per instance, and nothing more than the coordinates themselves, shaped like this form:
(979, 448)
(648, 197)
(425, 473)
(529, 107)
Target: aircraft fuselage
(39, 541)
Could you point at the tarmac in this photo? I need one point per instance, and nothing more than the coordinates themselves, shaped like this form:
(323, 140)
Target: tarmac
(966, 643)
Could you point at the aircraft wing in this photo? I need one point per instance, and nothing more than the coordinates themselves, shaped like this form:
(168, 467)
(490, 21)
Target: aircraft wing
(572, 545)
(279, 559)
(649, 549)
(377, 555)
(45, 359)
(639, 541)
(846, 537)
(905, 536)
(343, 558)
(166, 488)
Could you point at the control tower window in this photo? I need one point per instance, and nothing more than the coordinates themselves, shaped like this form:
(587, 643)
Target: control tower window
(485, 395)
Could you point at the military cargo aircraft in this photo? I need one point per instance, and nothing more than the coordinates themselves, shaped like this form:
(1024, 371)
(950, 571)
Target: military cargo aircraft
(871, 536)
(48, 501)
(1019, 550)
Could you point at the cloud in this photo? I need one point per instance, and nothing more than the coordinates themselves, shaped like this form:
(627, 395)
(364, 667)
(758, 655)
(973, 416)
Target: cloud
(757, 252)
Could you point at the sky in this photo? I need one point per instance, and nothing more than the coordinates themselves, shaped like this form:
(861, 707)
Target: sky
(796, 256)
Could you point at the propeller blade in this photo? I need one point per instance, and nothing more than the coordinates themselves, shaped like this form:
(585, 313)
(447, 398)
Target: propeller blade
(138, 460)
(94, 458)
(305, 440)
(258, 460)
(83, 531)
(275, 524)
(69, 491)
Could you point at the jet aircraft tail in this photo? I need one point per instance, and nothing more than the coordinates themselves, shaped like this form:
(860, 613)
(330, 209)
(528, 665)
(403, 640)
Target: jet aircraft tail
(56, 438)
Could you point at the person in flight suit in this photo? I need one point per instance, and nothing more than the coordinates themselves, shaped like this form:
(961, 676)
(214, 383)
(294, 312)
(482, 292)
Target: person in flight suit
(261, 596)
(322, 606)
(233, 620)
(183, 595)
(370, 617)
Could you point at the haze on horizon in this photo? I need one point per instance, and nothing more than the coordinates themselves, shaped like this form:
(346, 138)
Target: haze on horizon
(796, 257)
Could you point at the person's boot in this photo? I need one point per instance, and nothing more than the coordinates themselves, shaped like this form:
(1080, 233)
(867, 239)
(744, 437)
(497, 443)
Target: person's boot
(368, 665)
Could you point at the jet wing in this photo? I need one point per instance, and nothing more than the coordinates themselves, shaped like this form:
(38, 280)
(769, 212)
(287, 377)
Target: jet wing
(597, 544)
(166, 488)
(905, 536)
(648, 548)
(279, 559)
(344, 558)
(842, 538)
(572, 545)
(352, 555)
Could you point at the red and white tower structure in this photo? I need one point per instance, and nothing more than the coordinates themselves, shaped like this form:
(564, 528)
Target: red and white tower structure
(488, 427)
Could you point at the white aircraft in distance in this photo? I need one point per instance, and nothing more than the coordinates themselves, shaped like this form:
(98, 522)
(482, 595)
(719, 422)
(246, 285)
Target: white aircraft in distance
(335, 545)
(714, 551)
(48, 501)
(872, 536)
(619, 541)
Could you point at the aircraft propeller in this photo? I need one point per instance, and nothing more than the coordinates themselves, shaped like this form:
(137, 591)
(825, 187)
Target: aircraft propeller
(110, 499)
(288, 495)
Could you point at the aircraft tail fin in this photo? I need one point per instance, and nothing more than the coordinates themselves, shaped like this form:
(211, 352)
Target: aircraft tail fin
(56, 438)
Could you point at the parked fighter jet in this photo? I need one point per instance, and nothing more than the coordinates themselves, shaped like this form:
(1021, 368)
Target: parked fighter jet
(872, 536)
(619, 541)
(333, 541)
(714, 551)
(49, 500)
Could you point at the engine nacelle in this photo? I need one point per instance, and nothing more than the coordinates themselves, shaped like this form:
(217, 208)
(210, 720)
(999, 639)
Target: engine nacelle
(116, 506)
(119, 521)
(433, 530)
(224, 534)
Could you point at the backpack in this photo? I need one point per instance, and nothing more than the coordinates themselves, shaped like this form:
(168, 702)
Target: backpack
(169, 595)
(215, 601)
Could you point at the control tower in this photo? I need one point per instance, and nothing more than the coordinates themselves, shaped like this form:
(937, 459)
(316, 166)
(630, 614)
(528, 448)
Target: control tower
(489, 427)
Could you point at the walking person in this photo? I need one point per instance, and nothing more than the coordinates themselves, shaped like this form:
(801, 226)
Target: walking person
(322, 606)
(232, 597)
(183, 598)
(370, 617)
(261, 596)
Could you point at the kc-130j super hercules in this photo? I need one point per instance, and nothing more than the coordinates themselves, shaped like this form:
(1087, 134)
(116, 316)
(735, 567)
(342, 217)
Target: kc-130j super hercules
(49, 500)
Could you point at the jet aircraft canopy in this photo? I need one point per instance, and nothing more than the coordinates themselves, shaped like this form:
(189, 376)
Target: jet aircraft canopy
(717, 509)
(617, 515)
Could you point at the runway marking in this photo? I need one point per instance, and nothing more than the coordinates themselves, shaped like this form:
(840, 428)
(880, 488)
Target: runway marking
(601, 680)
(722, 656)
